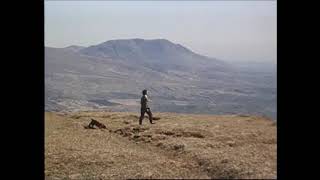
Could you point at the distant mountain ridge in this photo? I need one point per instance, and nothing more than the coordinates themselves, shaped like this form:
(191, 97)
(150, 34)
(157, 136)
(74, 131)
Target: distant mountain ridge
(75, 48)
(159, 51)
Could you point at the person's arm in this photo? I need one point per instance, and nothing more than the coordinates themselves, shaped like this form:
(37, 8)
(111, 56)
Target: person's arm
(148, 100)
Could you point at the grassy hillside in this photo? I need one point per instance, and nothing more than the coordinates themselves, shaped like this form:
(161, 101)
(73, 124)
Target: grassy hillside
(177, 146)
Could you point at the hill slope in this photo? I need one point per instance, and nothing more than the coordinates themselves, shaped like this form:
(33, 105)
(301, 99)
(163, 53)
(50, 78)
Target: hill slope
(177, 146)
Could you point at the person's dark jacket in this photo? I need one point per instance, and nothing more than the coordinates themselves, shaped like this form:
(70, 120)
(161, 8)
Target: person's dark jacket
(144, 102)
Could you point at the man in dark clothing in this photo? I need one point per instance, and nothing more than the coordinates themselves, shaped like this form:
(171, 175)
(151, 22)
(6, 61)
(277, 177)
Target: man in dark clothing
(144, 107)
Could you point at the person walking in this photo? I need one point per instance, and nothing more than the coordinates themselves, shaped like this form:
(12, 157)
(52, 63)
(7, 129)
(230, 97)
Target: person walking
(145, 108)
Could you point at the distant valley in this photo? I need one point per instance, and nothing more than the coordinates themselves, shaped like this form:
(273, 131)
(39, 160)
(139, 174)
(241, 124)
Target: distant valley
(111, 76)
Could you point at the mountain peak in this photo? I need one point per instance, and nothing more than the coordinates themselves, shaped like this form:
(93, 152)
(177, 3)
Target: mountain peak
(139, 40)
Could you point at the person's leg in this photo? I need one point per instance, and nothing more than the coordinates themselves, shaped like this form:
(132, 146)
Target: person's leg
(141, 116)
(150, 115)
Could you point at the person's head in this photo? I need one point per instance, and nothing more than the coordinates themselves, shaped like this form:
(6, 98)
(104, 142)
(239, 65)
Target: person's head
(144, 92)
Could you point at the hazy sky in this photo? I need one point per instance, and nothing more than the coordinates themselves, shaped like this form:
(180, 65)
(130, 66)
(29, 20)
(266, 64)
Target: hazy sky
(229, 30)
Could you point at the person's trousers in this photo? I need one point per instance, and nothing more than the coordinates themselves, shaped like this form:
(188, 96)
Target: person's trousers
(143, 111)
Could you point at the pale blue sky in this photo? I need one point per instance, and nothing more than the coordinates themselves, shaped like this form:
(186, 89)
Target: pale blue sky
(229, 30)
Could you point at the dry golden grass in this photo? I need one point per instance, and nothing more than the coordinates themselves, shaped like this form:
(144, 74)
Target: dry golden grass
(177, 146)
